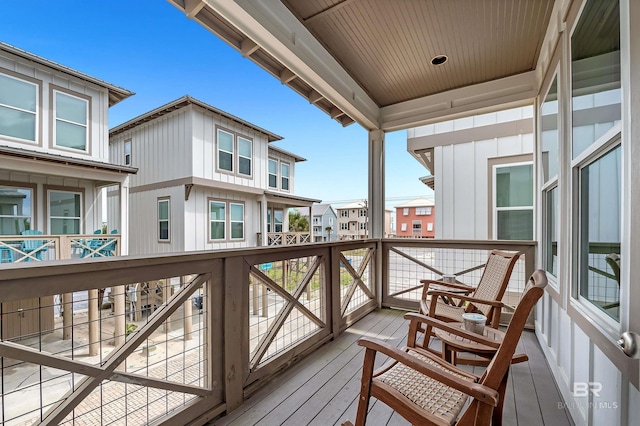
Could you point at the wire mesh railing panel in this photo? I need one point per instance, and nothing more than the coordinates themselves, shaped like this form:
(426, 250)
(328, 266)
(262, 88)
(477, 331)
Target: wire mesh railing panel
(356, 283)
(286, 305)
(88, 328)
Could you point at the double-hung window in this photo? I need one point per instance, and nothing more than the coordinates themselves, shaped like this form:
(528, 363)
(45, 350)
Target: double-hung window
(550, 193)
(164, 219)
(217, 220)
(405, 211)
(71, 121)
(127, 153)
(244, 156)
(273, 173)
(16, 210)
(236, 221)
(225, 150)
(65, 212)
(513, 195)
(284, 175)
(226, 220)
(18, 108)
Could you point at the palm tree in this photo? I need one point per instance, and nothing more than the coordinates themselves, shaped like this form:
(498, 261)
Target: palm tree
(297, 222)
(329, 229)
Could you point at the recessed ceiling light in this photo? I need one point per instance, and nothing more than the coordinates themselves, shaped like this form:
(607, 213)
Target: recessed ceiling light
(439, 59)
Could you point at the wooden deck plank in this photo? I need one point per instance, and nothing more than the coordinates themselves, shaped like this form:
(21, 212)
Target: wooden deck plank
(323, 388)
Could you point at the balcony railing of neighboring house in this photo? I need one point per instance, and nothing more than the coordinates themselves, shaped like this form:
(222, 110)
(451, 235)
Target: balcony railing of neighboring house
(286, 238)
(210, 328)
(39, 247)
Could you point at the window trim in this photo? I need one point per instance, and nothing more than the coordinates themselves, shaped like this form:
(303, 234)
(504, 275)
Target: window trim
(238, 138)
(244, 229)
(53, 89)
(269, 174)
(235, 154)
(505, 161)
(47, 190)
(38, 113)
(283, 177)
(168, 220)
(218, 149)
(127, 162)
(34, 198)
(224, 221)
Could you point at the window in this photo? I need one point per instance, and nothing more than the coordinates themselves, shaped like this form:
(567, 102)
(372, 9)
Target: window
(363, 226)
(278, 217)
(244, 156)
(65, 212)
(284, 172)
(273, 174)
(164, 217)
(423, 211)
(16, 210)
(405, 211)
(18, 108)
(403, 227)
(599, 235)
(217, 220)
(316, 220)
(225, 151)
(595, 74)
(552, 231)
(430, 227)
(237, 221)
(362, 213)
(549, 135)
(344, 226)
(416, 227)
(513, 189)
(330, 221)
(344, 213)
(71, 127)
(127, 153)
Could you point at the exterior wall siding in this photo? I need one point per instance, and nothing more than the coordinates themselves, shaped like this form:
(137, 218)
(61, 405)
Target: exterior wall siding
(410, 218)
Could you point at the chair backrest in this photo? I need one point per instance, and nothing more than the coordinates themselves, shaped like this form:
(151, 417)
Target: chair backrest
(31, 244)
(613, 260)
(502, 360)
(495, 279)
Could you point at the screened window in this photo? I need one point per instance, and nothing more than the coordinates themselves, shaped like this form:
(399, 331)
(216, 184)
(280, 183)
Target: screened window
(273, 174)
(237, 221)
(595, 74)
(225, 151)
(217, 220)
(18, 108)
(284, 174)
(600, 213)
(127, 153)
(164, 218)
(244, 156)
(65, 212)
(16, 210)
(71, 127)
(514, 202)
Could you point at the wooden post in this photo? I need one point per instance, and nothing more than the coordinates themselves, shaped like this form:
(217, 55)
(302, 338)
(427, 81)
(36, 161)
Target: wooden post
(236, 338)
(67, 315)
(94, 329)
(188, 312)
(119, 310)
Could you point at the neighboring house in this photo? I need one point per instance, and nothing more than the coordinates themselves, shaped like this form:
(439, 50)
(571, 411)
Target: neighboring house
(482, 173)
(54, 154)
(323, 222)
(416, 219)
(353, 222)
(207, 179)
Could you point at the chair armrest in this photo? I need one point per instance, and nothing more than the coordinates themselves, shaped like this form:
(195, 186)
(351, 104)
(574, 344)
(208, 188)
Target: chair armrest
(494, 303)
(436, 323)
(468, 289)
(475, 390)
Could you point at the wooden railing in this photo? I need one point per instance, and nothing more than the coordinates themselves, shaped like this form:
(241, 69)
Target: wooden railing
(225, 323)
(286, 238)
(32, 248)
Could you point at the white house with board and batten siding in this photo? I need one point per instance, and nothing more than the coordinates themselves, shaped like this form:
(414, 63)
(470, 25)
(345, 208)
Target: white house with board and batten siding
(207, 179)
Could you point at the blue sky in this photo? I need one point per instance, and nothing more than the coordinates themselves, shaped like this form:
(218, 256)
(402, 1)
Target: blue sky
(152, 49)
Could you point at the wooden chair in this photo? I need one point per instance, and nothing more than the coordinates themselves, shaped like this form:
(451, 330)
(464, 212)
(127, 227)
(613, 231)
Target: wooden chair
(485, 298)
(426, 390)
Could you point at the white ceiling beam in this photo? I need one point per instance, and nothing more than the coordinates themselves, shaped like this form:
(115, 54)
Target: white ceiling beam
(276, 30)
(507, 92)
(192, 7)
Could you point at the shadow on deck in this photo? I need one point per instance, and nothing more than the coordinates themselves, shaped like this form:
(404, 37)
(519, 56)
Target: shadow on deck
(322, 389)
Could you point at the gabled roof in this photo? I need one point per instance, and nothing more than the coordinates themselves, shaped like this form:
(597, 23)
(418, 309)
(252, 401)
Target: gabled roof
(183, 102)
(297, 158)
(355, 205)
(417, 202)
(116, 93)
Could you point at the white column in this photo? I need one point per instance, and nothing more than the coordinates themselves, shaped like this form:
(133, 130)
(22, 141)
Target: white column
(124, 217)
(263, 222)
(376, 184)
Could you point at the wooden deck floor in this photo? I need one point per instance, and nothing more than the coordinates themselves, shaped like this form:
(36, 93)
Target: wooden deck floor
(322, 388)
